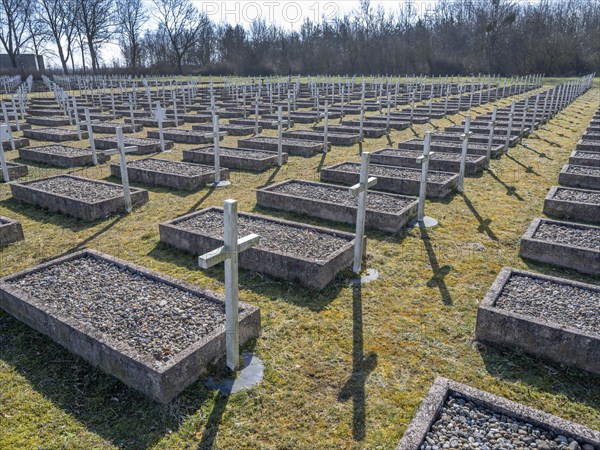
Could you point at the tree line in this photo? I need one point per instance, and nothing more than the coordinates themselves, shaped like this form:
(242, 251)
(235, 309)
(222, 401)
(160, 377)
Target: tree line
(555, 37)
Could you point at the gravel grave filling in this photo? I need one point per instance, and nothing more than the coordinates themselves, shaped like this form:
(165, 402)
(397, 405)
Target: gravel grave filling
(61, 150)
(583, 170)
(286, 141)
(155, 319)
(376, 201)
(277, 237)
(88, 190)
(172, 167)
(462, 423)
(395, 172)
(591, 197)
(569, 235)
(238, 153)
(555, 302)
(445, 156)
(587, 155)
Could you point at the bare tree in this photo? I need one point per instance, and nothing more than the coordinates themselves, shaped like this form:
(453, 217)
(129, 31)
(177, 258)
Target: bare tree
(14, 16)
(132, 15)
(59, 18)
(95, 22)
(182, 22)
(38, 33)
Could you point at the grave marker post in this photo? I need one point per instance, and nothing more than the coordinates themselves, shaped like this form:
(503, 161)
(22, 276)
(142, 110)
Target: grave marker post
(289, 112)
(422, 220)
(88, 123)
(160, 115)
(463, 156)
(362, 117)
(488, 153)
(131, 114)
(112, 103)
(228, 254)
(535, 110)
(175, 115)
(360, 190)
(279, 136)
(7, 122)
(256, 115)
(122, 151)
(4, 134)
(217, 149)
(523, 119)
(326, 128)
(509, 128)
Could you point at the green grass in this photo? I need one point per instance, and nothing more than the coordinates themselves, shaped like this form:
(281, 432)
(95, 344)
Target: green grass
(345, 367)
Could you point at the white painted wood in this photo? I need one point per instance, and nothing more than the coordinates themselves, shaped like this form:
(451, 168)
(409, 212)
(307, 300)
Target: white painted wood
(509, 128)
(229, 255)
(217, 149)
(488, 153)
(360, 190)
(4, 134)
(424, 160)
(463, 155)
(279, 137)
(535, 110)
(326, 128)
(159, 115)
(88, 123)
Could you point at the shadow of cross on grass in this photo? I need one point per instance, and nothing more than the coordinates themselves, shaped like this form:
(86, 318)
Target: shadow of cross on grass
(510, 190)
(362, 366)
(439, 273)
(528, 169)
(484, 224)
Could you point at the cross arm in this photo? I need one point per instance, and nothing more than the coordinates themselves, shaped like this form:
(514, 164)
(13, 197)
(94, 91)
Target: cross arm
(220, 254)
(359, 187)
(421, 159)
(114, 151)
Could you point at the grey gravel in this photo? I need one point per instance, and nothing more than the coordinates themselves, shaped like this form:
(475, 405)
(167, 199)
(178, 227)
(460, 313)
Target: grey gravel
(584, 170)
(396, 172)
(552, 301)
(54, 130)
(587, 155)
(288, 141)
(453, 144)
(464, 424)
(572, 234)
(575, 195)
(174, 167)
(63, 150)
(275, 236)
(443, 156)
(156, 319)
(376, 201)
(130, 141)
(237, 153)
(88, 190)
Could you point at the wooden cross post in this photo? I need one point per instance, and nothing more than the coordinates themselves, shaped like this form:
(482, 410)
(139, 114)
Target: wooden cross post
(228, 254)
(535, 110)
(122, 151)
(112, 104)
(360, 190)
(326, 128)
(412, 109)
(289, 112)
(422, 220)
(488, 153)
(509, 128)
(523, 119)
(463, 156)
(342, 103)
(7, 122)
(4, 135)
(88, 124)
(175, 115)
(217, 150)
(159, 115)
(279, 137)
(131, 114)
(76, 116)
(389, 111)
(256, 115)
(362, 117)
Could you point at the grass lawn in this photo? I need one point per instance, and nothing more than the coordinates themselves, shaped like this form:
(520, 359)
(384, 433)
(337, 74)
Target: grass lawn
(346, 367)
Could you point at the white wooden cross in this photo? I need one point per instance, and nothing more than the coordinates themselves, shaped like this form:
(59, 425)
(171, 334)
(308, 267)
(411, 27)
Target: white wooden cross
(216, 135)
(422, 220)
(175, 115)
(535, 110)
(122, 151)
(112, 104)
(160, 114)
(4, 135)
(228, 254)
(76, 116)
(7, 122)
(326, 128)
(362, 117)
(279, 137)
(131, 113)
(463, 156)
(91, 136)
(509, 128)
(256, 115)
(488, 153)
(360, 190)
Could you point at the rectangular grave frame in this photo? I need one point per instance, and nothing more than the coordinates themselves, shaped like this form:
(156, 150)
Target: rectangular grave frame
(41, 134)
(167, 179)
(87, 211)
(583, 259)
(234, 162)
(313, 274)
(558, 342)
(394, 185)
(578, 181)
(335, 212)
(104, 143)
(569, 209)
(442, 388)
(435, 163)
(115, 357)
(15, 171)
(577, 158)
(453, 147)
(293, 147)
(52, 159)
